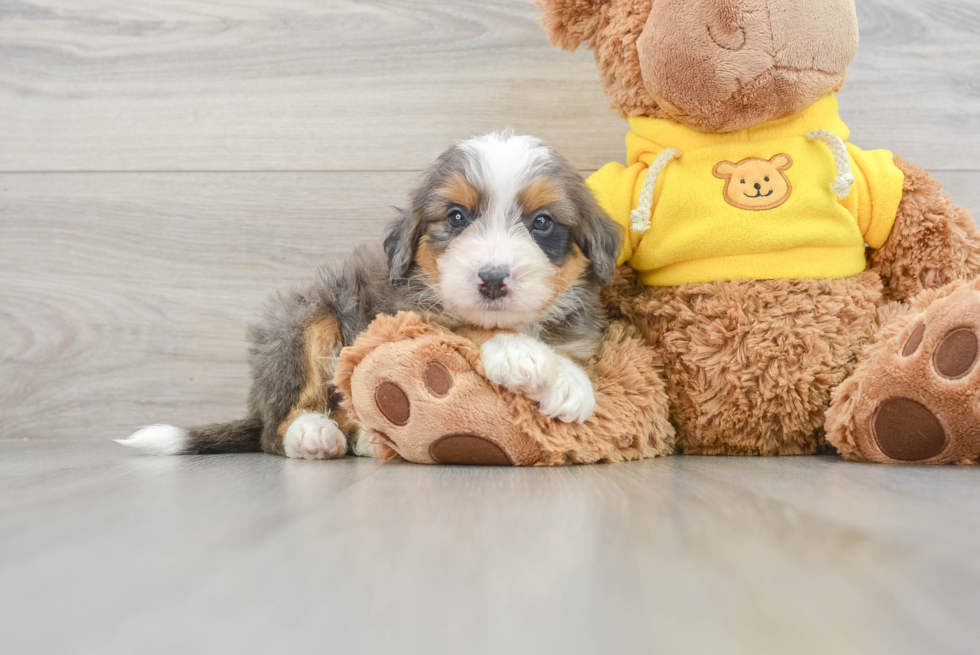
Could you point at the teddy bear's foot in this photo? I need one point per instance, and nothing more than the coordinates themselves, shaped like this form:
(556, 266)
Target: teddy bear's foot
(916, 398)
(425, 402)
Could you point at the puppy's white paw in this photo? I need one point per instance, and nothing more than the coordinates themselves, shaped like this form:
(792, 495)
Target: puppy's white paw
(519, 363)
(314, 436)
(571, 398)
(364, 444)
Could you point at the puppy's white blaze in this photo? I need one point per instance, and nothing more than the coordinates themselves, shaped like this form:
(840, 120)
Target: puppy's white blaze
(158, 440)
(314, 436)
(502, 163)
(496, 244)
(520, 363)
(571, 398)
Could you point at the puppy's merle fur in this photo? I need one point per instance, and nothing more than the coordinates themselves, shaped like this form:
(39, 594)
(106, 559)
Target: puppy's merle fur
(501, 234)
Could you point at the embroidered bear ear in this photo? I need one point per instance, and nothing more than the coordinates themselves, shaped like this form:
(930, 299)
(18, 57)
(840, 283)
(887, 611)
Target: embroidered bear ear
(570, 23)
(781, 162)
(724, 169)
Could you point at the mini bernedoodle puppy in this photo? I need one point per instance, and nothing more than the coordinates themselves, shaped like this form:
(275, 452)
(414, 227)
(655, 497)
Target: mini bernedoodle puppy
(502, 242)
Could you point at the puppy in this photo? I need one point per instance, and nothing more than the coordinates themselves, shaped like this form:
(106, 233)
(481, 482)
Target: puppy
(502, 241)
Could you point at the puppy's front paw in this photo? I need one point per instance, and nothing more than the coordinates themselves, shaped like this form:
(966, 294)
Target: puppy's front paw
(571, 398)
(314, 436)
(519, 363)
(365, 444)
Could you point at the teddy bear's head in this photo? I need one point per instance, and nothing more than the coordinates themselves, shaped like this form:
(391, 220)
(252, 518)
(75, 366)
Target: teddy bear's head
(714, 65)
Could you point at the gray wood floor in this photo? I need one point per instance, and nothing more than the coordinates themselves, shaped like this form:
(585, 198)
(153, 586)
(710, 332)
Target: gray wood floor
(104, 551)
(165, 166)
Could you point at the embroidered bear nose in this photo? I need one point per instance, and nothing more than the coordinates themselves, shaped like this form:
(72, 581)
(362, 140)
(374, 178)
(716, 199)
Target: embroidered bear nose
(758, 187)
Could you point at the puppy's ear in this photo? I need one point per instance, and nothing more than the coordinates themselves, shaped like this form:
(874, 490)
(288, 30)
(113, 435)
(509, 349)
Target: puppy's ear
(401, 241)
(599, 237)
(570, 23)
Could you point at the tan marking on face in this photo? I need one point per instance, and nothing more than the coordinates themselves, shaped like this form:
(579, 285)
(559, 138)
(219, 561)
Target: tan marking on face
(426, 259)
(741, 179)
(567, 275)
(322, 342)
(458, 190)
(539, 193)
(572, 268)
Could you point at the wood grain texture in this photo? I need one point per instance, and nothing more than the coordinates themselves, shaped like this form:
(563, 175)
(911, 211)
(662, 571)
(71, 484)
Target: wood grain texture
(386, 85)
(124, 297)
(104, 551)
(295, 85)
(126, 284)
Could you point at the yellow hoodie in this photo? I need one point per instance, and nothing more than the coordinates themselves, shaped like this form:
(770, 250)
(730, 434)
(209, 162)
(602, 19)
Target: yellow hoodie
(758, 204)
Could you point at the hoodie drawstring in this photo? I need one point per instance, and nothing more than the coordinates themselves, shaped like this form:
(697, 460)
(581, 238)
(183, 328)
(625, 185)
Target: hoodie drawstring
(640, 217)
(841, 186)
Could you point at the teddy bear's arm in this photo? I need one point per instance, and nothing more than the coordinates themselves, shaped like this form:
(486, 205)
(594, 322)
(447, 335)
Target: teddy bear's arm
(933, 241)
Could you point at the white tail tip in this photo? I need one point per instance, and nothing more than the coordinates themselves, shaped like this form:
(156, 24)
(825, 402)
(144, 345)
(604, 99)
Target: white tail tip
(158, 440)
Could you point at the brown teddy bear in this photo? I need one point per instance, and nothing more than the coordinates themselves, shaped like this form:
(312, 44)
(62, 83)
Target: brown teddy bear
(776, 328)
(421, 391)
(793, 289)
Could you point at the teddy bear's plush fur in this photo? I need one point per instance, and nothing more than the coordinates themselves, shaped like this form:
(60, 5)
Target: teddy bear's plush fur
(445, 411)
(658, 58)
(882, 365)
(751, 366)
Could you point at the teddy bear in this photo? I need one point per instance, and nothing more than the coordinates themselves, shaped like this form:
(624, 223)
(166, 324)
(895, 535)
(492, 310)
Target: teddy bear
(420, 392)
(796, 294)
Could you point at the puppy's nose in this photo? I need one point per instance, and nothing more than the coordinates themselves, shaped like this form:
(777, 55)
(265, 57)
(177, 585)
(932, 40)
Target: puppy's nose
(493, 286)
(758, 187)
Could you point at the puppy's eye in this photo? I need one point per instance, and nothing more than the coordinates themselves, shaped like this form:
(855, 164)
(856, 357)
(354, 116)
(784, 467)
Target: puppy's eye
(767, 179)
(743, 181)
(456, 218)
(541, 223)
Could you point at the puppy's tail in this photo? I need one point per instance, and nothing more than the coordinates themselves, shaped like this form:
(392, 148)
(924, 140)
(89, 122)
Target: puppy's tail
(243, 436)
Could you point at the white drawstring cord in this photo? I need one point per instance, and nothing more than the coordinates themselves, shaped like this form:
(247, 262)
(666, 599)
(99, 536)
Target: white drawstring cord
(640, 217)
(841, 185)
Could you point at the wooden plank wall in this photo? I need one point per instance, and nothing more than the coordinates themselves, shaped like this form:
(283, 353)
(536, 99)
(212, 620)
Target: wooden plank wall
(164, 166)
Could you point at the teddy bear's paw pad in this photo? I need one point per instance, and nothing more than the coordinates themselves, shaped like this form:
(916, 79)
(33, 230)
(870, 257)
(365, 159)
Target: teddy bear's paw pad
(907, 431)
(314, 436)
(929, 407)
(392, 401)
(956, 355)
(437, 379)
(468, 449)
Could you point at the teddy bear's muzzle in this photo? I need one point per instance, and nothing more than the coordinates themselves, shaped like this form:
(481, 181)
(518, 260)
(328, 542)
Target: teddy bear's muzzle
(725, 66)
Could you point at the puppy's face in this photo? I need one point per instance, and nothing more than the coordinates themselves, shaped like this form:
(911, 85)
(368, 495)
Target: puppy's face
(500, 230)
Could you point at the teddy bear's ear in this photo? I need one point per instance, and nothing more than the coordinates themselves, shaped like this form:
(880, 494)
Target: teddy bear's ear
(570, 23)
(781, 162)
(724, 169)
